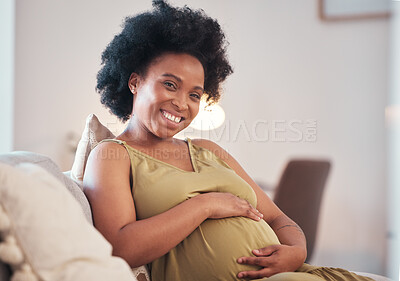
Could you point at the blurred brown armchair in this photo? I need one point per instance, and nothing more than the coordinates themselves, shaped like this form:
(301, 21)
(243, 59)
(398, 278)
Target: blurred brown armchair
(299, 194)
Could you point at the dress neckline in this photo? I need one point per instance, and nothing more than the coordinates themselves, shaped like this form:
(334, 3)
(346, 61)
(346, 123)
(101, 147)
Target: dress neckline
(190, 151)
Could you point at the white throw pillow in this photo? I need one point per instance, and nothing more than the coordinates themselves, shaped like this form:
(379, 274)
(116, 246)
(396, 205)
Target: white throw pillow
(93, 133)
(45, 234)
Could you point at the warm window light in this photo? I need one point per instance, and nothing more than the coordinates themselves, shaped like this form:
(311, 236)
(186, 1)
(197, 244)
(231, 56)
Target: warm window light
(209, 118)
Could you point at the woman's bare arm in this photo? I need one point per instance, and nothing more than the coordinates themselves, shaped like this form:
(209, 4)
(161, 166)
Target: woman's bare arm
(107, 186)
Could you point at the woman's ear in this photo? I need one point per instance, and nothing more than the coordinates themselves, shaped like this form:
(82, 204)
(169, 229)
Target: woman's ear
(133, 82)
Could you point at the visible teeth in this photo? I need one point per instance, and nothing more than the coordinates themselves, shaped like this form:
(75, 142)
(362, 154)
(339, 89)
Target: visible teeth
(171, 117)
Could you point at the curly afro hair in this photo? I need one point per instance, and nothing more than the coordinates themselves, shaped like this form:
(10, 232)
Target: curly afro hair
(147, 36)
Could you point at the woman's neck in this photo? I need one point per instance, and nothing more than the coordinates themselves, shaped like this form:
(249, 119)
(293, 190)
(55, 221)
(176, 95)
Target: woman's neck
(136, 133)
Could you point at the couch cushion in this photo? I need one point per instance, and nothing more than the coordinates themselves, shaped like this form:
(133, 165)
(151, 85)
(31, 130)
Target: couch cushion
(17, 157)
(74, 186)
(93, 133)
(45, 234)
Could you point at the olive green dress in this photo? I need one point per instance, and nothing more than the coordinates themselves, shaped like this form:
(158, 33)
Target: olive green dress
(211, 250)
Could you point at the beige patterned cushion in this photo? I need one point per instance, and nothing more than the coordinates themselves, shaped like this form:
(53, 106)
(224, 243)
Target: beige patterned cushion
(93, 133)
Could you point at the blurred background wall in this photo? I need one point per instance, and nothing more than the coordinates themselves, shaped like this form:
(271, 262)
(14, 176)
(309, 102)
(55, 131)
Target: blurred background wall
(293, 72)
(7, 33)
(393, 145)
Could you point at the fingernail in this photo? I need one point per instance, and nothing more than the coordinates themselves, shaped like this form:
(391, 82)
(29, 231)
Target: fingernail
(256, 251)
(240, 275)
(240, 260)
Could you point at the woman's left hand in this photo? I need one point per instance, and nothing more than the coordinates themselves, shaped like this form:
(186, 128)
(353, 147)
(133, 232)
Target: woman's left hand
(273, 259)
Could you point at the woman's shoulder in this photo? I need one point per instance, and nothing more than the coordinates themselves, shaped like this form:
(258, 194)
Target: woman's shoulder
(213, 147)
(109, 144)
(112, 151)
(107, 167)
(205, 143)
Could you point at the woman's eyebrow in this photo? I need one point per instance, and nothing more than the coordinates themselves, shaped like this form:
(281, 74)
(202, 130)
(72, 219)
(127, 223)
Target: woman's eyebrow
(199, 88)
(173, 76)
(180, 80)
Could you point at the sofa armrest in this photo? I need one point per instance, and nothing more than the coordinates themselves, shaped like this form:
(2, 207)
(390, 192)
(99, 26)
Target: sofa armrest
(17, 157)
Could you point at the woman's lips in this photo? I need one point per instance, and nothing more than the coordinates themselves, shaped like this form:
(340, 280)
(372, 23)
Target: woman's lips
(171, 117)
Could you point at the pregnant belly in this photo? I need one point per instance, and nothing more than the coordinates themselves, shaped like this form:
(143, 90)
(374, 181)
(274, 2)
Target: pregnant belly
(211, 251)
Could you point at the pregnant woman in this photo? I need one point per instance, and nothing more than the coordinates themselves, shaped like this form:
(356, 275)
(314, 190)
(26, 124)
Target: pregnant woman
(187, 208)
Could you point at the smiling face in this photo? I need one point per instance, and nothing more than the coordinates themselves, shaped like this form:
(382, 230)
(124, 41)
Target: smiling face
(167, 99)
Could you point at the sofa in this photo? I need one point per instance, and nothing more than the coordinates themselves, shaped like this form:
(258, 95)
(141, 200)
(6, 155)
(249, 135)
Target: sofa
(46, 228)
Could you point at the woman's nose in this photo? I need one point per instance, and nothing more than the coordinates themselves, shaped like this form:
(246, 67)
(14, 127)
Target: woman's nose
(180, 103)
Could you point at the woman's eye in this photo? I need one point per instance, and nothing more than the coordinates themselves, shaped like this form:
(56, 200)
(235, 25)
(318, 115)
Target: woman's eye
(170, 85)
(195, 95)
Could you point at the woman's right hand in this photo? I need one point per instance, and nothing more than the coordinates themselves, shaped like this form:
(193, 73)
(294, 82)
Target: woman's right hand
(223, 205)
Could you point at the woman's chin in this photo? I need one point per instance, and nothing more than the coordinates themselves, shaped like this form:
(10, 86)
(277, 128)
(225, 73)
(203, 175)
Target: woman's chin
(166, 134)
(171, 132)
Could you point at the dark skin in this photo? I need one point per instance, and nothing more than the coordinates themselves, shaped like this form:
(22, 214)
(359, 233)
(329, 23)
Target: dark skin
(165, 102)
